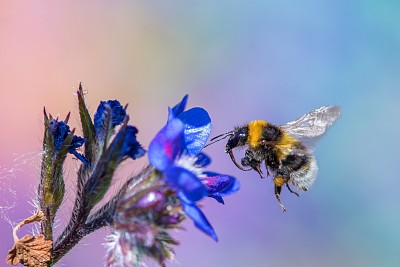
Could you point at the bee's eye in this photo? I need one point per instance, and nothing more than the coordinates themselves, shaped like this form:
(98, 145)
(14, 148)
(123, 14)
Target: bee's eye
(242, 133)
(237, 139)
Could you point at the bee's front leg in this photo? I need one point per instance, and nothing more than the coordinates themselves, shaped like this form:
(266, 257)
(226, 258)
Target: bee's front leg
(250, 161)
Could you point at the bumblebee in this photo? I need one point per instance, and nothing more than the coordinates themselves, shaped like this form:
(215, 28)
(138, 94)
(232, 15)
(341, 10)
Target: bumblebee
(286, 150)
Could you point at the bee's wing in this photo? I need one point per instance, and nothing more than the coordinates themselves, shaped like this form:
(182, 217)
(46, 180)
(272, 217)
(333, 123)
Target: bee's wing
(312, 125)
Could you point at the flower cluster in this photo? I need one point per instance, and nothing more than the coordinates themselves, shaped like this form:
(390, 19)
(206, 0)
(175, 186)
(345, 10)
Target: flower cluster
(104, 151)
(167, 191)
(147, 206)
(60, 131)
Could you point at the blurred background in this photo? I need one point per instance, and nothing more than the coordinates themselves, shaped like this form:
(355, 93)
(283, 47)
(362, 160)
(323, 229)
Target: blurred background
(240, 60)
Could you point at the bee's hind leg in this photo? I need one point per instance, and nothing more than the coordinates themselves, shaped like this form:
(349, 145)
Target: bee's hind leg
(278, 190)
(278, 182)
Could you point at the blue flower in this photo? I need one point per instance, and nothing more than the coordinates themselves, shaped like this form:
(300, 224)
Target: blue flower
(176, 153)
(130, 146)
(108, 115)
(76, 142)
(117, 116)
(60, 131)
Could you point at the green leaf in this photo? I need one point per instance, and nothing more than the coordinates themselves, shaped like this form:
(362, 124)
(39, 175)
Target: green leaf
(91, 146)
(56, 195)
(47, 162)
(100, 180)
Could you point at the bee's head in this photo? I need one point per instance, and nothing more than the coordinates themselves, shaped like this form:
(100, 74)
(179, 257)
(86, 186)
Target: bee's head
(238, 138)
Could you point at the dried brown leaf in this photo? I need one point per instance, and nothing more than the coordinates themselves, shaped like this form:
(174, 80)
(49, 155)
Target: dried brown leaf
(31, 251)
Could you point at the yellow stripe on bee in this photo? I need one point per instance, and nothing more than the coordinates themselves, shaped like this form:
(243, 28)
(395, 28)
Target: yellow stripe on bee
(279, 181)
(284, 145)
(255, 132)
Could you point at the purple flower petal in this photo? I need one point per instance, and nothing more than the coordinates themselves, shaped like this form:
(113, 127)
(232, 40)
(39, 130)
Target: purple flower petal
(218, 198)
(166, 145)
(215, 184)
(197, 129)
(155, 200)
(186, 183)
(178, 108)
(220, 183)
(199, 219)
(170, 219)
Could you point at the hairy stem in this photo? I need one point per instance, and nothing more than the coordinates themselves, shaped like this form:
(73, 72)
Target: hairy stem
(76, 230)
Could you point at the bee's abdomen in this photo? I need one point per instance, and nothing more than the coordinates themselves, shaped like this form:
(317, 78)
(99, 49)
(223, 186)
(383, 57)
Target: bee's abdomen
(302, 170)
(295, 162)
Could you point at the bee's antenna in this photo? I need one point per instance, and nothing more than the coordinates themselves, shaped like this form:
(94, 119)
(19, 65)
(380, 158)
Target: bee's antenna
(227, 134)
(224, 135)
